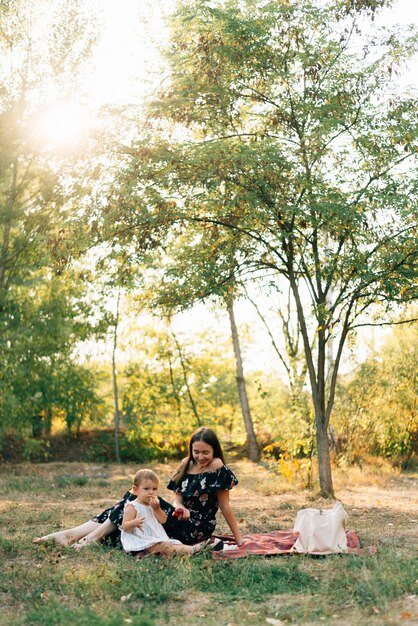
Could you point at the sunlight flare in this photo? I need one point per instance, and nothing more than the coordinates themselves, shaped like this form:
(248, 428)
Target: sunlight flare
(63, 125)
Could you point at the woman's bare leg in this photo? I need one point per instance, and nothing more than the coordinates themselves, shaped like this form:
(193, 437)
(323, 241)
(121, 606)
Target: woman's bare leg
(70, 535)
(101, 530)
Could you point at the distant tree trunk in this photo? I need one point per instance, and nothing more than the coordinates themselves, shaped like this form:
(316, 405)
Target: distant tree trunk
(115, 382)
(37, 425)
(186, 382)
(252, 445)
(48, 421)
(7, 230)
(3, 257)
(173, 385)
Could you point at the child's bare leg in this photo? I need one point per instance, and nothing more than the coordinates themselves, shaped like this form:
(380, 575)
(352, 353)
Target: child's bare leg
(102, 530)
(170, 549)
(70, 535)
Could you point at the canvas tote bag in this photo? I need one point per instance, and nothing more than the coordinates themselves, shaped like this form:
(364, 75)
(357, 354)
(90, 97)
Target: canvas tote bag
(321, 531)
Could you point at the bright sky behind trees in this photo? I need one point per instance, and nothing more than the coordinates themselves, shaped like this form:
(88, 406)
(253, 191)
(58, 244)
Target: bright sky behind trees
(124, 69)
(126, 64)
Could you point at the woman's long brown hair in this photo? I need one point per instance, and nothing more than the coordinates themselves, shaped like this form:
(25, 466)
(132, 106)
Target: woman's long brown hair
(201, 434)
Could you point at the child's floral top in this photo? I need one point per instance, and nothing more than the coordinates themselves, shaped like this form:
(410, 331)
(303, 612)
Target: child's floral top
(199, 496)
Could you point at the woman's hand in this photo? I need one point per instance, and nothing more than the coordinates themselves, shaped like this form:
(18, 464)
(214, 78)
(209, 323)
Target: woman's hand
(242, 542)
(181, 513)
(225, 506)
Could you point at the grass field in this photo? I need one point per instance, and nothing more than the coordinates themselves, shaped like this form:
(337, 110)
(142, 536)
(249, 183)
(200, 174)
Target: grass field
(104, 587)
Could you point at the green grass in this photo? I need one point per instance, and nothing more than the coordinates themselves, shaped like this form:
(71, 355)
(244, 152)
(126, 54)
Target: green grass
(54, 613)
(54, 586)
(105, 587)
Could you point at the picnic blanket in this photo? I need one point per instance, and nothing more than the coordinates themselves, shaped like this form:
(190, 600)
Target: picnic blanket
(277, 542)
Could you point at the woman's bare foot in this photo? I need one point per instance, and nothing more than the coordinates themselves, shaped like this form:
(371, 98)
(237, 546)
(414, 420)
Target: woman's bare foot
(92, 537)
(60, 538)
(209, 544)
(82, 543)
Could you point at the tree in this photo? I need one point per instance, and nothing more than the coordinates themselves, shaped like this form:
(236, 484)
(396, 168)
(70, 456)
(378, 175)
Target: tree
(252, 445)
(77, 399)
(43, 312)
(296, 145)
(40, 327)
(34, 198)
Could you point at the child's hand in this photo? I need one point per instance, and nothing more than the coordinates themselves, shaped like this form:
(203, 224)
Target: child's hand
(154, 503)
(139, 521)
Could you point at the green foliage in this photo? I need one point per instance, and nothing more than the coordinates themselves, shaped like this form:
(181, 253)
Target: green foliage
(44, 306)
(376, 411)
(156, 404)
(77, 399)
(38, 377)
(36, 450)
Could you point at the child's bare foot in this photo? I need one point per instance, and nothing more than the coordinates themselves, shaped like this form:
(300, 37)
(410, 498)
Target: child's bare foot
(60, 538)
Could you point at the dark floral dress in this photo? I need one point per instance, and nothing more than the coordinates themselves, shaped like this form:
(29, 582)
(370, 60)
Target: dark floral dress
(199, 492)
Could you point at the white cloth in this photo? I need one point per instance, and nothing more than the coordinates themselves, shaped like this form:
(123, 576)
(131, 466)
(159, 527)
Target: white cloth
(321, 532)
(151, 533)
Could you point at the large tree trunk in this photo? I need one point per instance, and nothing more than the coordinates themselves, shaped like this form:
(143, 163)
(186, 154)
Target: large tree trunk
(324, 459)
(317, 381)
(252, 445)
(321, 422)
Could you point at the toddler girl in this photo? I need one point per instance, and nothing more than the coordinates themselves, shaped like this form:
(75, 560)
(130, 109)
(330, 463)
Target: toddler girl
(146, 531)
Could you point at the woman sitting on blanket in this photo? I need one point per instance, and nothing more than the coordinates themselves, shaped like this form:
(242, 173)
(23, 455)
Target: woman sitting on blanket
(201, 485)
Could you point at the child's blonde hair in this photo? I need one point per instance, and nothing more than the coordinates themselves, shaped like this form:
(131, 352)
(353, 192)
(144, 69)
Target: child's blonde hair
(145, 474)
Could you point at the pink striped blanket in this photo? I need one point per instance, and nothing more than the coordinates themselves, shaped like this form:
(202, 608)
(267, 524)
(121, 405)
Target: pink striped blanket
(277, 542)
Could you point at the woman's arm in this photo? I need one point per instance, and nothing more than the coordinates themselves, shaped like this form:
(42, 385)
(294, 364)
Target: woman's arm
(178, 503)
(130, 519)
(225, 506)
